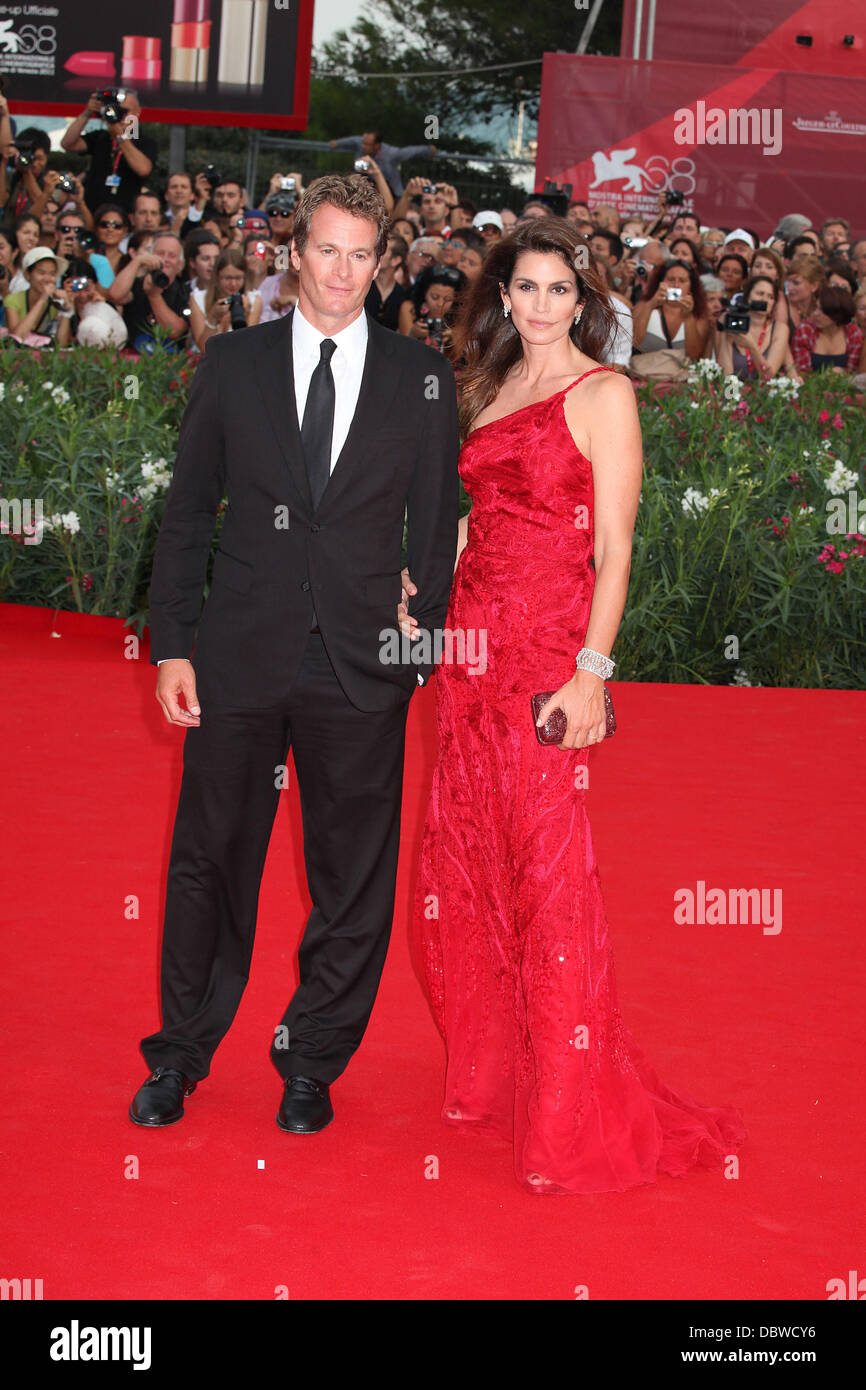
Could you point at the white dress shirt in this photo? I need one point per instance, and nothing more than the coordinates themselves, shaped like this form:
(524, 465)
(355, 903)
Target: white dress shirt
(347, 368)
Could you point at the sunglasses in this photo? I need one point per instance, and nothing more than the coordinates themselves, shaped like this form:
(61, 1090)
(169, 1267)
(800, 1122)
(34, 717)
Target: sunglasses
(114, 225)
(65, 229)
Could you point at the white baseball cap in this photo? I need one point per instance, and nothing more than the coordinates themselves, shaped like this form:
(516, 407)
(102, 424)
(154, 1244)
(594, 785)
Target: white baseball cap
(37, 253)
(740, 234)
(484, 219)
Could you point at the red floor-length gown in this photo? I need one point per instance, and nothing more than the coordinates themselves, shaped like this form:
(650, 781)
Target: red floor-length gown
(509, 924)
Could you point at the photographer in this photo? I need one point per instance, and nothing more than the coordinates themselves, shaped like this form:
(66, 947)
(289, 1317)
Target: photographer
(119, 162)
(389, 157)
(430, 310)
(93, 323)
(41, 310)
(60, 191)
(758, 352)
(26, 158)
(151, 293)
(75, 242)
(672, 313)
(280, 210)
(226, 306)
(437, 200)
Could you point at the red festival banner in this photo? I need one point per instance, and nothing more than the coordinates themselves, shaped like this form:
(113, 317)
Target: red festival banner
(742, 145)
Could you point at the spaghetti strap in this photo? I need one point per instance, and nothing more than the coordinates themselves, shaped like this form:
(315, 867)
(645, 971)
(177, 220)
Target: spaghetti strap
(586, 374)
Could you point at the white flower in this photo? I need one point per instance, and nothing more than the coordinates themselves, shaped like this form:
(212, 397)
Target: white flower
(783, 386)
(740, 677)
(694, 501)
(19, 399)
(48, 386)
(703, 369)
(2, 390)
(157, 475)
(112, 481)
(60, 395)
(695, 405)
(841, 480)
(62, 521)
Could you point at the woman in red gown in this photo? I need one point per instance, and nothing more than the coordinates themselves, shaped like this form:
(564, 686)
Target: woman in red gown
(509, 924)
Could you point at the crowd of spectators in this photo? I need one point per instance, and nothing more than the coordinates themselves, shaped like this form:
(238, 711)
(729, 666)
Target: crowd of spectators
(117, 257)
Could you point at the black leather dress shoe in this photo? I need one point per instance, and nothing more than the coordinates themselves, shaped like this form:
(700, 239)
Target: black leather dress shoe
(160, 1100)
(306, 1106)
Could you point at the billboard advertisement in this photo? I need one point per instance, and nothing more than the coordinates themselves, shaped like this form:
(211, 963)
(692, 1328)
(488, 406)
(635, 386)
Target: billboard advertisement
(194, 62)
(742, 145)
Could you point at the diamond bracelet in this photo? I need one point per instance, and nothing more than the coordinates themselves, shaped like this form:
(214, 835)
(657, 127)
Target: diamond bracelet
(588, 660)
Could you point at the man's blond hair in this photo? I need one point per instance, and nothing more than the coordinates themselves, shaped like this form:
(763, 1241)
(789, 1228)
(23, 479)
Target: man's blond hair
(352, 193)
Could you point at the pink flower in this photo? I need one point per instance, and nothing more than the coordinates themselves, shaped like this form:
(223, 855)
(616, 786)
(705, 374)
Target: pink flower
(824, 417)
(837, 423)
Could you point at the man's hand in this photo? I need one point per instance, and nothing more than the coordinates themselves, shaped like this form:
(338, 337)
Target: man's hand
(406, 624)
(177, 678)
(415, 186)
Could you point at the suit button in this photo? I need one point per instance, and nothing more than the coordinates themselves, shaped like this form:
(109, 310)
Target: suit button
(306, 586)
(314, 526)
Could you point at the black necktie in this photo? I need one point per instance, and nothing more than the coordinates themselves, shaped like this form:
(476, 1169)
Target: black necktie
(318, 427)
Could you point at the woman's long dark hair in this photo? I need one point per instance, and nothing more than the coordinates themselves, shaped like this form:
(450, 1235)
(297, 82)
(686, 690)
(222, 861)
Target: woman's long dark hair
(489, 343)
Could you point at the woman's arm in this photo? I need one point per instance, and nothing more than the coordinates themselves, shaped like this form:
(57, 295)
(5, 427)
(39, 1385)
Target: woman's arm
(616, 450)
(26, 323)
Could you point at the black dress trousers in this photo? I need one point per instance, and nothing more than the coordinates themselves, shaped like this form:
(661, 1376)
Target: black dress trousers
(349, 765)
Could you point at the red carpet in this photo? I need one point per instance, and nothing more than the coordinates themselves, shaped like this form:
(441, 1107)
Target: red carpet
(737, 787)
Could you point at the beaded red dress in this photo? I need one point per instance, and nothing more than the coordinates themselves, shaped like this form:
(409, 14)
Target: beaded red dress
(509, 926)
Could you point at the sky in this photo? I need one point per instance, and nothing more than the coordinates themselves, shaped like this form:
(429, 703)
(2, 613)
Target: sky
(330, 15)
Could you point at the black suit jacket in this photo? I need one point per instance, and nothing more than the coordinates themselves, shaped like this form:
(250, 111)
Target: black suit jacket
(239, 438)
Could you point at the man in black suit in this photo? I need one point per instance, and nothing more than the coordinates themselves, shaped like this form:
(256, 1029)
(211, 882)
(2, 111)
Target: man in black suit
(323, 430)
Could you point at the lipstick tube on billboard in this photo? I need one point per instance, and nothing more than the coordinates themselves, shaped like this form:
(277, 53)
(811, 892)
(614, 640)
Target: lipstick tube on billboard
(140, 59)
(91, 64)
(242, 43)
(190, 41)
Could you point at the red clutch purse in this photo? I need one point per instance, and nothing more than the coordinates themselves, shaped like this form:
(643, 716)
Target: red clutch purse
(554, 730)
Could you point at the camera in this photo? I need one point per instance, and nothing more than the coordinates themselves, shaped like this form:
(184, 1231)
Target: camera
(85, 239)
(79, 283)
(26, 150)
(758, 306)
(736, 316)
(237, 317)
(159, 279)
(288, 184)
(362, 166)
(213, 177)
(113, 109)
(635, 242)
(675, 197)
(261, 250)
(62, 189)
(555, 196)
(640, 271)
(673, 293)
(429, 188)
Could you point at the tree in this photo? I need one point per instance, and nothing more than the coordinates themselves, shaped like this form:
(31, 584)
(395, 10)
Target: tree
(439, 38)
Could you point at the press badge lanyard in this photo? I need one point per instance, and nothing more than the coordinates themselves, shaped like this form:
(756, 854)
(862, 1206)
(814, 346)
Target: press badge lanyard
(113, 179)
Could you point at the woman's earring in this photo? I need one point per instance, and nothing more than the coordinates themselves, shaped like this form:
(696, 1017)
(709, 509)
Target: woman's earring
(505, 311)
(577, 316)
